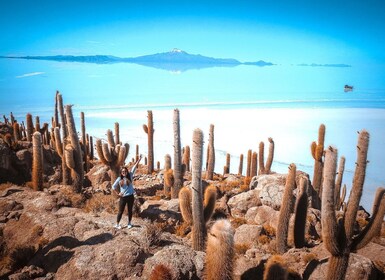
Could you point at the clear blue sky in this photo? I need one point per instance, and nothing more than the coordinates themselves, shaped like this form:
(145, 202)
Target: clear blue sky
(302, 31)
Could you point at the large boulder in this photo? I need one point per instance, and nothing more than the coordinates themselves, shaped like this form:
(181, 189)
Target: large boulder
(240, 203)
(183, 261)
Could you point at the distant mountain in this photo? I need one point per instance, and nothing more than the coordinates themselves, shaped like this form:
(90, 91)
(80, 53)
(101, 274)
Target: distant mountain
(175, 60)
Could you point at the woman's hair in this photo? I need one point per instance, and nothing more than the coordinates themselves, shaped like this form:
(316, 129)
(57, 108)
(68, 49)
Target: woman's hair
(128, 175)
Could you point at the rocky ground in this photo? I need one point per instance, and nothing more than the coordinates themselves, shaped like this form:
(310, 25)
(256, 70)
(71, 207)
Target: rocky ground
(59, 234)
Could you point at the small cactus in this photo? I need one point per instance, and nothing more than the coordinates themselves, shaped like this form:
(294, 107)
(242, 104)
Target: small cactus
(317, 151)
(265, 168)
(254, 165)
(240, 168)
(300, 212)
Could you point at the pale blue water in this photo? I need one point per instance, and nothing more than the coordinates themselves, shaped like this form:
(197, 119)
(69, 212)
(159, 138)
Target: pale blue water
(231, 98)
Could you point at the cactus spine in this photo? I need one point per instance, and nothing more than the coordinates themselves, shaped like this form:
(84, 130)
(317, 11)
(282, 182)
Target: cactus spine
(317, 151)
(286, 210)
(37, 162)
(199, 227)
(211, 154)
(149, 130)
(74, 153)
(220, 252)
(178, 174)
(338, 237)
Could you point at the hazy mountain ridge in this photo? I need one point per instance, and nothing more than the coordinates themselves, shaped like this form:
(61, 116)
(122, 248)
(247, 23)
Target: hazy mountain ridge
(175, 60)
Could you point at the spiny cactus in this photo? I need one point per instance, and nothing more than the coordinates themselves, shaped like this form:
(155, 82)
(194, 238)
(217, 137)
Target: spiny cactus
(248, 167)
(286, 210)
(73, 153)
(111, 154)
(209, 200)
(266, 168)
(226, 168)
(254, 165)
(340, 174)
(29, 127)
(185, 198)
(317, 151)
(60, 147)
(275, 269)
(37, 162)
(167, 162)
(300, 211)
(199, 227)
(186, 158)
(178, 172)
(219, 258)
(84, 141)
(16, 131)
(210, 155)
(339, 236)
(240, 167)
(149, 130)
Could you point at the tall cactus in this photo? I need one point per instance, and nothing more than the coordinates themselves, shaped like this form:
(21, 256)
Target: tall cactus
(317, 151)
(248, 166)
(286, 210)
(254, 165)
(240, 167)
(149, 130)
(178, 172)
(226, 168)
(199, 227)
(211, 154)
(37, 162)
(73, 152)
(300, 211)
(29, 127)
(219, 259)
(112, 155)
(339, 237)
(60, 147)
(340, 174)
(84, 141)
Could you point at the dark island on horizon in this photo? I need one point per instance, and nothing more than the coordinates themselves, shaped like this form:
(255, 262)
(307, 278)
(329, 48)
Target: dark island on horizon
(175, 60)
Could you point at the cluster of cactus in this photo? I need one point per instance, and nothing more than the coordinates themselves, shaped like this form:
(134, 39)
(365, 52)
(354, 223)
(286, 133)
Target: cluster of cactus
(266, 168)
(338, 235)
(112, 154)
(149, 130)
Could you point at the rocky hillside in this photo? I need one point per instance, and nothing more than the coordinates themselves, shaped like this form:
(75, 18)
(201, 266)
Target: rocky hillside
(59, 233)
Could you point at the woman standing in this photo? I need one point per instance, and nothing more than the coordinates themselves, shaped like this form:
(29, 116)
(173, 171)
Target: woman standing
(124, 188)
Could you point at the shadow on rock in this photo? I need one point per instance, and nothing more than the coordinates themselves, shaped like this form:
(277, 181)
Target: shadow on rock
(60, 250)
